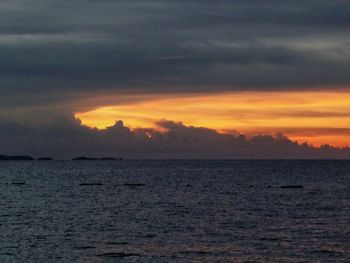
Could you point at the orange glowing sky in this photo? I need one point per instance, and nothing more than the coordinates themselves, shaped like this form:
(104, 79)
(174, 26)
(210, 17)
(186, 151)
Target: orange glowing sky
(315, 117)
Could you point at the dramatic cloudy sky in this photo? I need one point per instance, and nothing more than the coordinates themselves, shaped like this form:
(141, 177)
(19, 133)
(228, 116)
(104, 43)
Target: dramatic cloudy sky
(247, 66)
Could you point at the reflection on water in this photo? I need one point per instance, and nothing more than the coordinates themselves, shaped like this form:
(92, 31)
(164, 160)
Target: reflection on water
(175, 211)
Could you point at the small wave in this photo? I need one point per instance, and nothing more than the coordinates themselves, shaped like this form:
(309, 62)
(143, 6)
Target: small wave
(196, 252)
(117, 243)
(270, 239)
(117, 255)
(90, 184)
(85, 247)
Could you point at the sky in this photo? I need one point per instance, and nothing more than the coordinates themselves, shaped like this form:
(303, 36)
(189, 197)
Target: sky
(231, 68)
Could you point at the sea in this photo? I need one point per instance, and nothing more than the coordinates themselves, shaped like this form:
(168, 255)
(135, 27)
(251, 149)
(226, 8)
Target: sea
(175, 211)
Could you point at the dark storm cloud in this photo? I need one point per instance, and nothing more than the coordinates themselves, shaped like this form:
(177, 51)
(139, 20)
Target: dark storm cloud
(52, 50)
(66, 138)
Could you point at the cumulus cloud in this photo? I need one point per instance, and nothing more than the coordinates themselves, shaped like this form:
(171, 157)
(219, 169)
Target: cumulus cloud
(66, 138)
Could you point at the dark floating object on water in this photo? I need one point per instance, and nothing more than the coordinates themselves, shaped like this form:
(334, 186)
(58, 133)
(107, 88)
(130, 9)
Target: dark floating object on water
(16, 158)
(45, 159)
(18, 183)
(291, 186)
(150, 236)
(128, 184)
(117, 255)
(86, 184)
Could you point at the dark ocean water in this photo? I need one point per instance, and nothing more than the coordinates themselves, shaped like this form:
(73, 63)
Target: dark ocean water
(175, 211)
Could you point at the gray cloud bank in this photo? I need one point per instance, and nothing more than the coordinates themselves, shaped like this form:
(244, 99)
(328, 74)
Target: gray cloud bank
(67, 138)
(50, 51)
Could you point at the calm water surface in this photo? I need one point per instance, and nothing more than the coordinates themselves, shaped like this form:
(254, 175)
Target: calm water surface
(175, 211)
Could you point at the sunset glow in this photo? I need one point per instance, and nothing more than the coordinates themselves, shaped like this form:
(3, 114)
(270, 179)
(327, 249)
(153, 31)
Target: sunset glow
(314, 117)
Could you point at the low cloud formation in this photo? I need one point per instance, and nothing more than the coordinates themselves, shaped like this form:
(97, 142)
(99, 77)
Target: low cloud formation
(67, 138)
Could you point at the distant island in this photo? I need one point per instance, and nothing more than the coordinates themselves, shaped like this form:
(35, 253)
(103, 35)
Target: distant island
(45, 159)
(16, 158)
(84, 158)
(29, 158)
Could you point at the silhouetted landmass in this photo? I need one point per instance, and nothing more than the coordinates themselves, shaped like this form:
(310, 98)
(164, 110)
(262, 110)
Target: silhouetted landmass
(108, 159)
(16, 158)
(45, 159)
(80, 158)
(83, 158)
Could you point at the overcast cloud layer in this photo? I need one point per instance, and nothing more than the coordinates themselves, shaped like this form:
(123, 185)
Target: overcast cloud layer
(55, 51)
(56, 54)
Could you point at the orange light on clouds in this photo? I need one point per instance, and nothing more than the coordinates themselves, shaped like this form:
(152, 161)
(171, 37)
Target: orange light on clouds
(315, 117)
